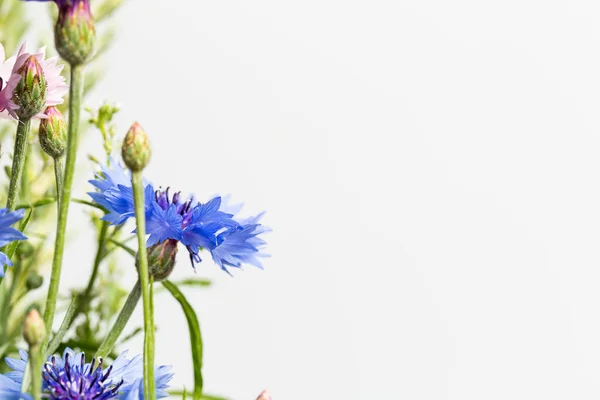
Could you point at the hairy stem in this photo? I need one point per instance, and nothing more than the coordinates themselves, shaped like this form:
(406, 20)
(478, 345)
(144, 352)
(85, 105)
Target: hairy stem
(117, 328)
(25, 176)
(35, 369)
(19, 155)
(75, 95)
(140, 215)
(59, 175)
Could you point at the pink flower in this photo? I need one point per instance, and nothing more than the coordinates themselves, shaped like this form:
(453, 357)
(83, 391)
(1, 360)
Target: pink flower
(264, 396)
(9, 78)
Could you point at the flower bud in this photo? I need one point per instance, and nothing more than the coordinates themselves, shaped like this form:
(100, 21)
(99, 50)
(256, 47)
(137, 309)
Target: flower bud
(53, 133)
(30, 93)
(136, 148)
(161, 259)
(264, 396)
(34, 281)
(25, 250)
(34, 330)
(75, 33)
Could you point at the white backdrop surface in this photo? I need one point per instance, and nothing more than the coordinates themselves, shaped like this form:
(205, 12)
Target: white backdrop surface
(431, 173)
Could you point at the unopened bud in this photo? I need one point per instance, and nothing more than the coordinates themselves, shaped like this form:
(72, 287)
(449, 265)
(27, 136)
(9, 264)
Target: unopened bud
(264, 396)
(75, 33)
(136, 148)
(161, 259)
(30, 93)
(34, 330)
(34, 281)
(53, 133)
(25, 250)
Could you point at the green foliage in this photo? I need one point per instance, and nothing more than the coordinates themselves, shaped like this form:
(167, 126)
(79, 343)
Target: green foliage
(102, 120)
(20, 289)
(195, 336)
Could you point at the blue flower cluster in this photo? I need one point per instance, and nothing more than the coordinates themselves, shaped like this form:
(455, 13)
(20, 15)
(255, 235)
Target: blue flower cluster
(70, 377)
(9, 234)
(232, 242)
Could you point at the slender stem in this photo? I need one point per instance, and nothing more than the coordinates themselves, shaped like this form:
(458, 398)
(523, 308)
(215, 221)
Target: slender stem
(64, 327)
(121, 322)
(59, 174)
(78, 304)
(35, 369)
(19, 156)
(75, 95)
(25, 176)
(100, 253)
(140, 215)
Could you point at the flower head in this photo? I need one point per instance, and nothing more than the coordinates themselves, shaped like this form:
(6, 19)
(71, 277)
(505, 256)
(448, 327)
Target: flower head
(231, 241)
(264, 395)
(71, 378)
(53, 133)
(55, 86)
(74, 32)
(136, 150)
(9, 234)
(34, 329)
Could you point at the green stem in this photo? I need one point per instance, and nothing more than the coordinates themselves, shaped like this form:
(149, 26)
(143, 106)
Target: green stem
(64, 327)
(140, 215)
(59, 174)
(75, 95)
(102, 239)
(19, 156)
(25, 176)
(35, 369)
(78, 304)
(117, 328)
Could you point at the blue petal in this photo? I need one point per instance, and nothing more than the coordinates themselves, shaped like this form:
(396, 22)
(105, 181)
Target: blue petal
(163, 224)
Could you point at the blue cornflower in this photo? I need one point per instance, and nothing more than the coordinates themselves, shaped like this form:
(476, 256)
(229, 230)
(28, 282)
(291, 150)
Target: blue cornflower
(9, 234)
(71, 378)
(232, 242)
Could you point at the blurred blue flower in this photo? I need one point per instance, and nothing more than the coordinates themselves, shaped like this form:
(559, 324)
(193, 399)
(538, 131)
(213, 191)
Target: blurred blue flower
(9, 234)
(232, 242)
(70, 377)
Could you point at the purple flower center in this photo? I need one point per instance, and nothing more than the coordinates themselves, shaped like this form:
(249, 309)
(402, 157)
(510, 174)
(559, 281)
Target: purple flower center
(79, 381)
(185, 209)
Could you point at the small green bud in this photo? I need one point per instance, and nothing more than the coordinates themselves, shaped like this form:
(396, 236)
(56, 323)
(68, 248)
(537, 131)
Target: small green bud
(136, 148)
(34, 281)
(53, 133)
(30, 93)
(75, 33)
(34, 330)
(25, 250)
(161, 259)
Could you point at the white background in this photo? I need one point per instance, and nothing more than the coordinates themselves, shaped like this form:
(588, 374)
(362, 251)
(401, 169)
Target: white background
(430, 170)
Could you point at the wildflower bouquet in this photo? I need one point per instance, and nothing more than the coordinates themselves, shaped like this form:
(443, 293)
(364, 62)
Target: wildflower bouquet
(80, 359)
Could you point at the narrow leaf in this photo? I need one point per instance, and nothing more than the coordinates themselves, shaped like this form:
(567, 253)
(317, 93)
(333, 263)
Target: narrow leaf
(195, 336)
(124, 247)
(64, 326)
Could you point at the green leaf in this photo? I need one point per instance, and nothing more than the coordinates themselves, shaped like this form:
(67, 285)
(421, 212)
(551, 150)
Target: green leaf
(202, 397)
(64, 326)
(88, 203)
(195, 336)
(124, 247)
(195, 282)
(39, 203)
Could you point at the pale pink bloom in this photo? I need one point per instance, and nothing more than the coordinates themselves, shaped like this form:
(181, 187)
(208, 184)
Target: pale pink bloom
(55, 91)
(264, 396)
